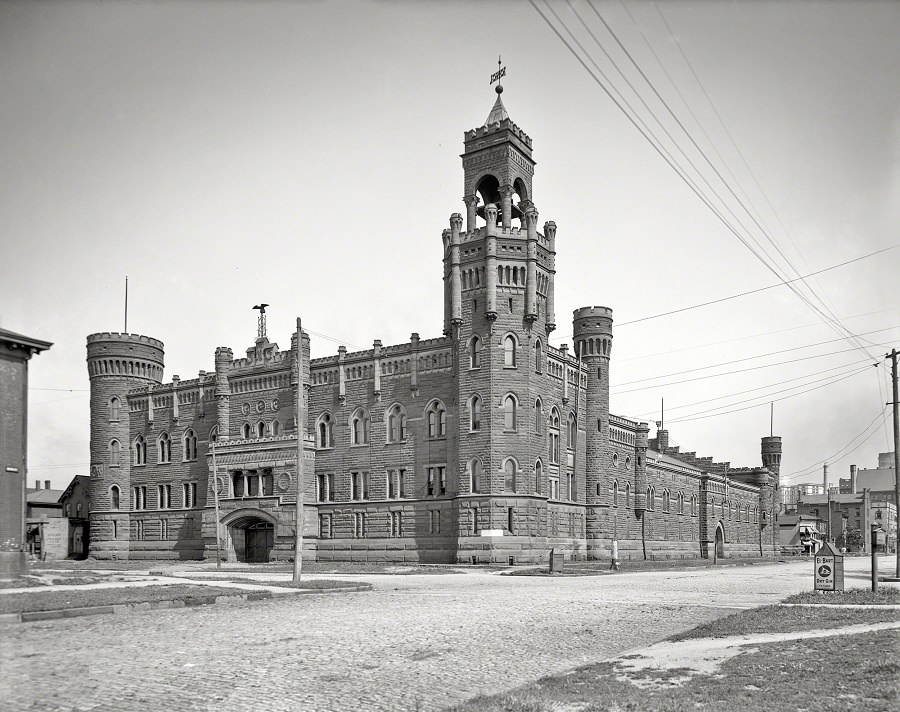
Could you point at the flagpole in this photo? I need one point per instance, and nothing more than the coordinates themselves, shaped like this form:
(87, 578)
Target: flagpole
(126, 303)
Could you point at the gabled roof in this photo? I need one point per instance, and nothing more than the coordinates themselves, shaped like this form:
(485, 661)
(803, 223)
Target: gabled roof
(42, 496)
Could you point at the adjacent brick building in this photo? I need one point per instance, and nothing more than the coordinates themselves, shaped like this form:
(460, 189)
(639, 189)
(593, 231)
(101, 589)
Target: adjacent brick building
(483, 444)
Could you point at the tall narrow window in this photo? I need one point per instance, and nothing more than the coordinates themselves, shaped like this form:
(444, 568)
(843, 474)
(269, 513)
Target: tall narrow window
(651, 503)
(164, 495)
(509, 351)
(359, 485)
(436, 418)
(114, 408)
(571, 432)
(114, 495)
(475, 413)
(325, 431)
(260, 429)
(359, 524)
(615, 493)
(554, 436)
(396, 424)
(538, 356)
(189, 445)
(189, 495)
(509, 412)
(475, 352)
(509, 471)
(275, 427)
(476, 472)
(325, 526)
(245, 431)
(538, 417)
(628, 495)
(164, 448)
(114, 453)
(538, 476)
(359, 427)
(163, 529)
(139, 497)
(139, 451)
(325, 487)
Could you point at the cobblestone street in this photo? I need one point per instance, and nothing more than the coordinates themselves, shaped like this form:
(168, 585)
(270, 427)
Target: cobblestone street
(416, 642)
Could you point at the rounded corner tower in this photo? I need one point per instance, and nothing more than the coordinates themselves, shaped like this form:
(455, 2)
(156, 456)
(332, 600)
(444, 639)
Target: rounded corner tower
(117, 363)
(592, 336)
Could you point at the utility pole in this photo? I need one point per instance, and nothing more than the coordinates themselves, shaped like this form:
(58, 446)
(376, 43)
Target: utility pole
(301, 431)
(215, 488)
(894, 401)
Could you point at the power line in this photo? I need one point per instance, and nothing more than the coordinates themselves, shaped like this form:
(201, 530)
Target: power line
(699, 415)
(663, 153)
(752, 358)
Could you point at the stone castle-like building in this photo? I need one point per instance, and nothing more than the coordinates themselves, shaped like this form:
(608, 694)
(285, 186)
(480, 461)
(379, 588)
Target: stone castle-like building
(484, 444)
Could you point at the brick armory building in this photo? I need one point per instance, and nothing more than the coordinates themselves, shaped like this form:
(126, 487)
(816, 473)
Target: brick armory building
(483, 444)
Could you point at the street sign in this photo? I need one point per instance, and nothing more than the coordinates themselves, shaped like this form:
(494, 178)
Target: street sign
(829, 569)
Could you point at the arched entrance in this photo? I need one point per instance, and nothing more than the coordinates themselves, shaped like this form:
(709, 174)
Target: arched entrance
(720, 542)
(251, 536)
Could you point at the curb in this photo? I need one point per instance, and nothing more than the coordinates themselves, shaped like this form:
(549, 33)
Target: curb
(186, 602)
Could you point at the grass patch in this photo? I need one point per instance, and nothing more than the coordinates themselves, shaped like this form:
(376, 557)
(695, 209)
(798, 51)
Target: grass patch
(858, 672)
(31, 581)
(312, 567)
(55, 600)
(781, 619)
(886, 595)
(305, 584)
(593, 568)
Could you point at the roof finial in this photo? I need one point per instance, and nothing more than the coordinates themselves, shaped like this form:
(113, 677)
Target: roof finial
(261, 324)
(496, 76)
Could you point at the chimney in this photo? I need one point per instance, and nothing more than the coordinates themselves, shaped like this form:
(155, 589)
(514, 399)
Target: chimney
(46, 484)
(825, 477)
(37, 484)
(852, 479)
(662, 440)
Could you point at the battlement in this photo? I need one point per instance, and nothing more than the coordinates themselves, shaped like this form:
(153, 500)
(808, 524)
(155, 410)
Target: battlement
(124, 338)
(592, 312)
(517, 233)
(505, 124)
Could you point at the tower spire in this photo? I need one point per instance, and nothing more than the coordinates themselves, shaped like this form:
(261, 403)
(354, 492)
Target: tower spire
(498, 112)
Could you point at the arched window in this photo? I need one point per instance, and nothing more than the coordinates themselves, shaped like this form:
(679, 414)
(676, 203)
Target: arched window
(650, 498)
(509, 412)
(214, 433)
(554, 436)
(114, 453)
(693, 506)
(475, 413)
(509, 351)
(114, 496)
(139, 450)
(538, 356)
(681, 502)
(538, 417)
(396, 424)
(359, 427)
(628, 495)
(260, 429)
(164, 448)
(476, 472)
(189, 445)
(571, 432)
(510, 472)
(615, 493)
(114, 408)
(475, 352)
(245, 431)
(275, 427)
(538, 476)
(325, 431)
(436, 418)
(666, 500)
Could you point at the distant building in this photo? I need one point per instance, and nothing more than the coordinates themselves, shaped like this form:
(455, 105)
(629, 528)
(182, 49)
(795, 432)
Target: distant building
(15, 352)
(76, 504)
(791, 494)
(847, 518)
(798, 534)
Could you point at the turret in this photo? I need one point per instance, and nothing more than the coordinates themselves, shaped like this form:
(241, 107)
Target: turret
(117, 363)
(592, 333)
(771, 456)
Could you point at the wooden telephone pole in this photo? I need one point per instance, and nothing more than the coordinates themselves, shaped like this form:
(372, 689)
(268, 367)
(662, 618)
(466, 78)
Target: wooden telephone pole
(894, 402)
(301, 432)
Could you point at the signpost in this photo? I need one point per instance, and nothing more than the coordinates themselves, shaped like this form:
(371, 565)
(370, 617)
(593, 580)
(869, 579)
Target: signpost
(829, 569)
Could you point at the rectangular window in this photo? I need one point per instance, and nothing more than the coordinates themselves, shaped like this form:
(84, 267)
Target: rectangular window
(252, 480)
(396, 483)
(570, 486)
(435, 521)
(268, 483)
(429, 486)
(359, 524)
(359, 485)
(475, 524)
(324, 526)
(554, 488)
(325, 488)
(510, 520)
(164, 493)
(189, 495)
(442, 480)
(163, 529)
(436, 481)
(139, 497)
(396, 523)
(139, 530)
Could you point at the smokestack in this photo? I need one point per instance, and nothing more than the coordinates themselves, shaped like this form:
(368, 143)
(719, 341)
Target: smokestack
(662, 440)
(825, 477)
(852, 479)
(37, 484)
(46, 484)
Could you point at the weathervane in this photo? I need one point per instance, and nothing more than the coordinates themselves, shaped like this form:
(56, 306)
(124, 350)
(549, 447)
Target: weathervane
(498, 75)
(261, 327)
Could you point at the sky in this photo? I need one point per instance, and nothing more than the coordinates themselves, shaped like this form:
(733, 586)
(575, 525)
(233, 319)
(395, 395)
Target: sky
(306, 154)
